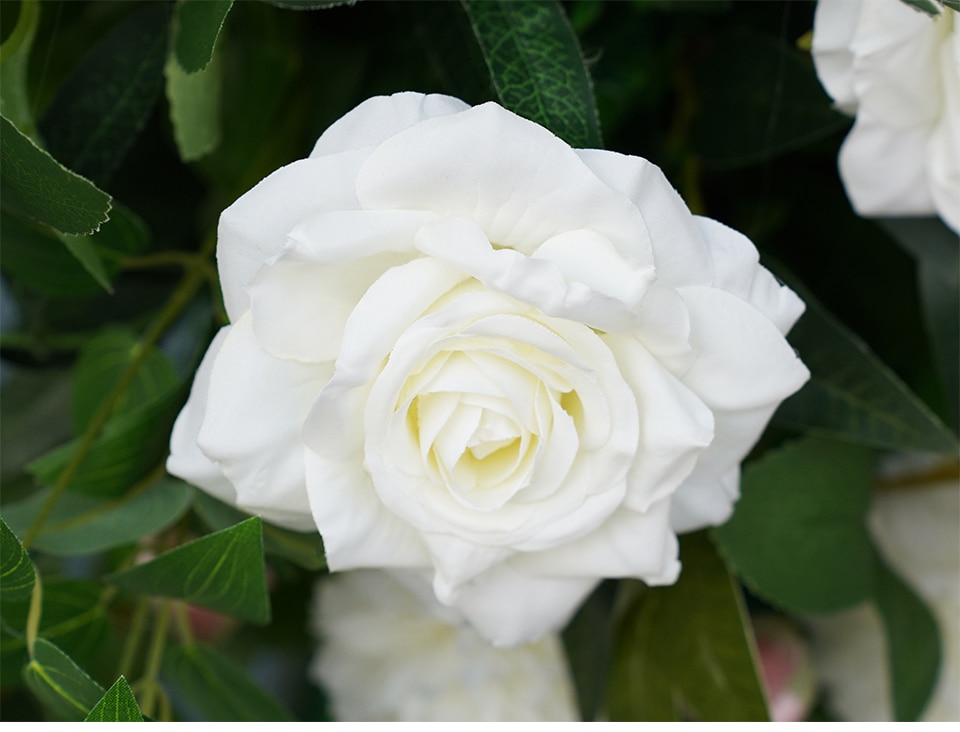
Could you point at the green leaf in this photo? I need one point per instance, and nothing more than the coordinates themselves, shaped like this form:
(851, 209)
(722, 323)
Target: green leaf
(952, 4)
(196, 27)
(218, 688)
(588, 641)
(81, 525)
(309, 4)
(536, 66)
(223, 571)
(195, 107)
(16, 569)
(302, 548)
(926, 6)
(117, 705)
(797, 537)
(61, 685)
(912, 643)
(102, 360)
(937, 251)
(757, 97)
(41, 188)
(852, 395)
(686, 651)
(39, 257)
(14, 55)
(129, 446)
(101, 108)
(73, 617)
(83, 250)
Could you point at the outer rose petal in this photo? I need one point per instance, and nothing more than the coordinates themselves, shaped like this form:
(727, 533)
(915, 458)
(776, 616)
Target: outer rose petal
(834, 25)
(378, 118)
(255, 406)
(517, 181)
(944, 144)
(186, 459)
(255, 227)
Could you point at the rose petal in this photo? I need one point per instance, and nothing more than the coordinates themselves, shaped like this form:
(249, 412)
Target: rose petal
(675, 425)
(378, 118)
(737, 270)
(534, 280)
(743, 359)
(678, 250)
(510, 607)
(628, 544)
(516, 180)
(834, 27)
(883, 171)
(357, 530)
(186, 459)
(255, 227)
(255, 406)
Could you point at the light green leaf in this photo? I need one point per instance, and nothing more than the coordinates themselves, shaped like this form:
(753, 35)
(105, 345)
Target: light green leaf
(117, 705)
(61, 685)
(105, 103)
(197, 25)
(35, 184)
(102, 360)
(913, 645)
(16, 569)
(194, 100)
(81, 525)
(797, 537)
(536, 66)
(937, 251)
(588, 641)
(686, 651)
(14, 56)
(926, 6)
(223, 571)
(39, 257)
(852, 395)
(302, 548)
(218, 688)
(757, 97)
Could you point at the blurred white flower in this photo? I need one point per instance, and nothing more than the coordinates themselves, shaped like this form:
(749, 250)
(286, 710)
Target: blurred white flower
(386, 654)
(898, 71)
(917, 528)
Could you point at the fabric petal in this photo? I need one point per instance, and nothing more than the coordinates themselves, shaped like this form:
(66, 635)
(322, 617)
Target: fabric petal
(357, 529)
(255, 406)
(515, 179)
(510, 606)
(678, 249)
(883, 171)
(186, 459)
(378, 118)
(743, 361)
(737, 270)
(254, 228)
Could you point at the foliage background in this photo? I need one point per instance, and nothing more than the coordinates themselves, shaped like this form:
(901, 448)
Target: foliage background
(102, 333)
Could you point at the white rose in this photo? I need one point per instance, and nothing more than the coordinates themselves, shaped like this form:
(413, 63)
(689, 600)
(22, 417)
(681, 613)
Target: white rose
(462, 347)
(917, 528)
(898, 70)
(386, 655)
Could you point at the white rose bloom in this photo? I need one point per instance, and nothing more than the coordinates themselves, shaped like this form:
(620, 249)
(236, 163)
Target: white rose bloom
(918, 531)
(387, 655)
(462, 347)
(898, 71)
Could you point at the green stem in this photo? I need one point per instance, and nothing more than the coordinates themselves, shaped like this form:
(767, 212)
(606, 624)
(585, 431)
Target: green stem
(132, 642)
(183, 623)
(178, 301)
(150, 681)
(35, 612)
